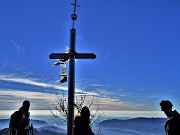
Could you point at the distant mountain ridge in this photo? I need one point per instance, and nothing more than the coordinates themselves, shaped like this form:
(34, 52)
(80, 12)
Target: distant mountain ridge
(133, 126)
(40, 128)
(4, 123)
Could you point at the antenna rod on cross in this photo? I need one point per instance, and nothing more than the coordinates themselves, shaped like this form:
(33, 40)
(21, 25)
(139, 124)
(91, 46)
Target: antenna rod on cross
(71, 55)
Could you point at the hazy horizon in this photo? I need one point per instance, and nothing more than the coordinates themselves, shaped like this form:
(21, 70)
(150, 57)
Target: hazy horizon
(107, 114)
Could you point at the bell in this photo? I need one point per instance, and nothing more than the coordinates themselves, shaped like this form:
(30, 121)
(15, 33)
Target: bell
(73, 17)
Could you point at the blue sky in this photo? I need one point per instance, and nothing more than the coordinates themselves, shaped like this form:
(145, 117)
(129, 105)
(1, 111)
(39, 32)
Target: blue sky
(136, 42)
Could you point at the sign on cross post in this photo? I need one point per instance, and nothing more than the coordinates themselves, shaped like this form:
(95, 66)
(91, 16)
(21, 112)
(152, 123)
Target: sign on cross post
(71, 56)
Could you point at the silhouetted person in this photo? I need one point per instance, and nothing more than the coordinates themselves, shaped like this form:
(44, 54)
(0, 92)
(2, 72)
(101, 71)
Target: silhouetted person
(19, 123)
(172, 125)
(85, 114)
(82, 122)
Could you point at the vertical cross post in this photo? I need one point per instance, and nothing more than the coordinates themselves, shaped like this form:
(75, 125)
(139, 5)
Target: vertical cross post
(71, 82)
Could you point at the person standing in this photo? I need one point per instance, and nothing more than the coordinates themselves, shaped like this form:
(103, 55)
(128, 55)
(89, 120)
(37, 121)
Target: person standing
(19, 122)
(82, 123)
(172, 125)
(85, 117)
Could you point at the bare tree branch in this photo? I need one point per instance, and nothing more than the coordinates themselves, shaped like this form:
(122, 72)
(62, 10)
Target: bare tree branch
(60, 109)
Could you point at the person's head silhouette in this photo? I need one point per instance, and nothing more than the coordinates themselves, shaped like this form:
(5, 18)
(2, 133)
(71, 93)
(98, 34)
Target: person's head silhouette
(26, 104)
(85, 112)
(166, 107)
(25, 108)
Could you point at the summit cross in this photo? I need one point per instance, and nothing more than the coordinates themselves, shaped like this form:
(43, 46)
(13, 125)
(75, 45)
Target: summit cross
(71, 56)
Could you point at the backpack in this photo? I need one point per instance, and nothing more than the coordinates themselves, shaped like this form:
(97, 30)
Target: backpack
(17, 121)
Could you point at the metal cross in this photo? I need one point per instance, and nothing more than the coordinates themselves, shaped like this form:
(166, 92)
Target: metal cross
(75, 5)
(71, 56)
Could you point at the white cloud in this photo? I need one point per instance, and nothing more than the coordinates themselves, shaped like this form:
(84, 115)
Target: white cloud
(97, 85)
(26, 94)
(13, 99)
(35, 82)
(116, 104)
(104, 98)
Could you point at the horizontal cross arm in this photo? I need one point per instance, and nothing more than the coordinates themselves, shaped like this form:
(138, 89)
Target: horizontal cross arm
(85, 56)
(75, 55)
(59, 56)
